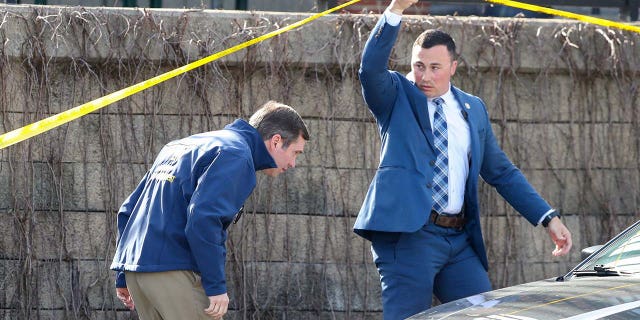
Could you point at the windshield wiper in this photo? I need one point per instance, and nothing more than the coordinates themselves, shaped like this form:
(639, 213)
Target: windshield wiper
(600, 270)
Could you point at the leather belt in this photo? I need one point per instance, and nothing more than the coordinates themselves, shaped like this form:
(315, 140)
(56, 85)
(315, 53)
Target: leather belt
(448, 221)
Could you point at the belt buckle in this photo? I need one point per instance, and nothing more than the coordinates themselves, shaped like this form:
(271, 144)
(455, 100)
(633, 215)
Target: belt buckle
(433, 217)
(437, 216)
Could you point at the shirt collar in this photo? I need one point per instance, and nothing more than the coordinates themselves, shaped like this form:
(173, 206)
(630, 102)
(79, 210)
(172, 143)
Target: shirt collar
(447, 96)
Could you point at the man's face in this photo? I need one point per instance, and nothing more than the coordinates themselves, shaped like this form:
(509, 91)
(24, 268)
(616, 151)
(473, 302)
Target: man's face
(432, 69)
(285, 157)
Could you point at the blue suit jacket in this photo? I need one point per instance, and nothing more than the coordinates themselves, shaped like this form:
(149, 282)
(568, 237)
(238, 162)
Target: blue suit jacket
(399, 197)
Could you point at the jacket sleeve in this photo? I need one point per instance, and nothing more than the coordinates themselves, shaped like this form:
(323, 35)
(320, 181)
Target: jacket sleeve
(498, 171)
(379, 87)
(123, 218)
(220, 192)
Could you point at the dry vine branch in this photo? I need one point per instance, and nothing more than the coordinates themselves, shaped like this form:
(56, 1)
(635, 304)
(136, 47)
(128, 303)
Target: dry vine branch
(293, 255)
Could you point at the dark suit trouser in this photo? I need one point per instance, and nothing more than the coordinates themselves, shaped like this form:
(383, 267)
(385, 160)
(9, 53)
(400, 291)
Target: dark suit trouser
(433, 260)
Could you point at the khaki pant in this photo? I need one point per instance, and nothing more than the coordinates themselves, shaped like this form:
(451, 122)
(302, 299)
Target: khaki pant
(168, 295)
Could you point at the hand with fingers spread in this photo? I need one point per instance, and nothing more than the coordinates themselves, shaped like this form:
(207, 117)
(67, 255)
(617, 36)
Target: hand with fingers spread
(218, 306)
(125, 297)
(561, 236)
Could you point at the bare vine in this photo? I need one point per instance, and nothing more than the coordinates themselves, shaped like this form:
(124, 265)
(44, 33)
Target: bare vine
(562, 97)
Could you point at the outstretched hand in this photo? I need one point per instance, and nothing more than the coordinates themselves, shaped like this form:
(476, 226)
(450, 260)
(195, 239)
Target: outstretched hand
(560, 235)
(398, 6)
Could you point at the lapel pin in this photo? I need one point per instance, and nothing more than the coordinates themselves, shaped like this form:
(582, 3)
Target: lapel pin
(466, 105)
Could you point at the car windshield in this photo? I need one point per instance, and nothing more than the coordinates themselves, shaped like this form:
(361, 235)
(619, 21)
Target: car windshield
(620, 254)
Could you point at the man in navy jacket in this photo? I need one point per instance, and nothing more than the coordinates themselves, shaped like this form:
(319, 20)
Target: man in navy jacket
(172, 228)
(419, 248)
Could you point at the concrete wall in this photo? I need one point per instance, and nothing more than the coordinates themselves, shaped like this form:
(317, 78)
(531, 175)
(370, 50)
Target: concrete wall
(271, 5)
(563, 99)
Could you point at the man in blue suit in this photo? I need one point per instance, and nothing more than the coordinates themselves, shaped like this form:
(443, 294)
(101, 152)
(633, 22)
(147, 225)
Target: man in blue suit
(421, 212)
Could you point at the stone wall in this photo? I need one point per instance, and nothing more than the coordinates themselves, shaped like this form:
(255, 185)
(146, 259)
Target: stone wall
(563, 99)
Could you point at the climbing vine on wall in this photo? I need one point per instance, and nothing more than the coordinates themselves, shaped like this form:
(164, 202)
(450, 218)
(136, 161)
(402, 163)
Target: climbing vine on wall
(562, 96)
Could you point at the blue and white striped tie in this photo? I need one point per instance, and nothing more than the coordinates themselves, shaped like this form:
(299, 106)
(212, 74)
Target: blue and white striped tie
(441, 169)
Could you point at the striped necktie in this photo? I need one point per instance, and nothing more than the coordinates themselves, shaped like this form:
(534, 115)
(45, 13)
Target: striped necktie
(441, 169)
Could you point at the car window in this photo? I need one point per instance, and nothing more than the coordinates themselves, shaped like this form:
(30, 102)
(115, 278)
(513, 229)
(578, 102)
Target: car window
(622, 254)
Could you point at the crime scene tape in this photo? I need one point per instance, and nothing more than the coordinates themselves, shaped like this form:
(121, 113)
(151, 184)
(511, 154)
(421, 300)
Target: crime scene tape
(49, 123)
(570, 15)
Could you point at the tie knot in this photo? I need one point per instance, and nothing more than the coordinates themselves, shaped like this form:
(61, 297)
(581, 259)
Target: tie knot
(438, 101)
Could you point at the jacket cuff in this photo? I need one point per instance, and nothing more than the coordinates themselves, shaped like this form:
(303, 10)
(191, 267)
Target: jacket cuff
(120, 280)
(393, 19)
(544, 216)
(217, 290)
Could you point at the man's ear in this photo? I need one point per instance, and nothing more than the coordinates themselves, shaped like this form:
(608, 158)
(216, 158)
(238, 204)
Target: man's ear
(275, 140)
(454, 65)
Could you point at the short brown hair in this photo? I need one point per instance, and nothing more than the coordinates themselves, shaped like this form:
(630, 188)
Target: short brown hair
(433, 37)
(277, 118)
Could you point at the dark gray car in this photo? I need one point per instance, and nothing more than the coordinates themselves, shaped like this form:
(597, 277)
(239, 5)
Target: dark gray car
(606, 285)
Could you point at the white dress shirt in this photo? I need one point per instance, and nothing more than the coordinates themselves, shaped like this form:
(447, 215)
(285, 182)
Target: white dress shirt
(459, 148)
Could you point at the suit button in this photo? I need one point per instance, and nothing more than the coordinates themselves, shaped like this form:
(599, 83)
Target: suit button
(432, 163)
(429, 185)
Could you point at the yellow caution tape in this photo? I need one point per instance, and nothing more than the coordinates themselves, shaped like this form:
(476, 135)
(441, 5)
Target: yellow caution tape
(570, 15)
(49, 123)
(44, 125)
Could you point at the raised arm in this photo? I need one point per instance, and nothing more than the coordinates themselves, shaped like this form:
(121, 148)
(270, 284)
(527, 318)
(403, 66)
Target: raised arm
(379, 87)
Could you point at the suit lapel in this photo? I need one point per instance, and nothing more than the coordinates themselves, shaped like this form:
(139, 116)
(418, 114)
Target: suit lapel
(468, 108)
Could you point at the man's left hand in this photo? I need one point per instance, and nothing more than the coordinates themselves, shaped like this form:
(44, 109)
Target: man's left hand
(217, 306)
(125, 297)
(560, 235)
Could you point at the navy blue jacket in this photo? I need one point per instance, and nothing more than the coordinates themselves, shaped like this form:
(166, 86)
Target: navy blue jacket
(399, 197)
(176, 219)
